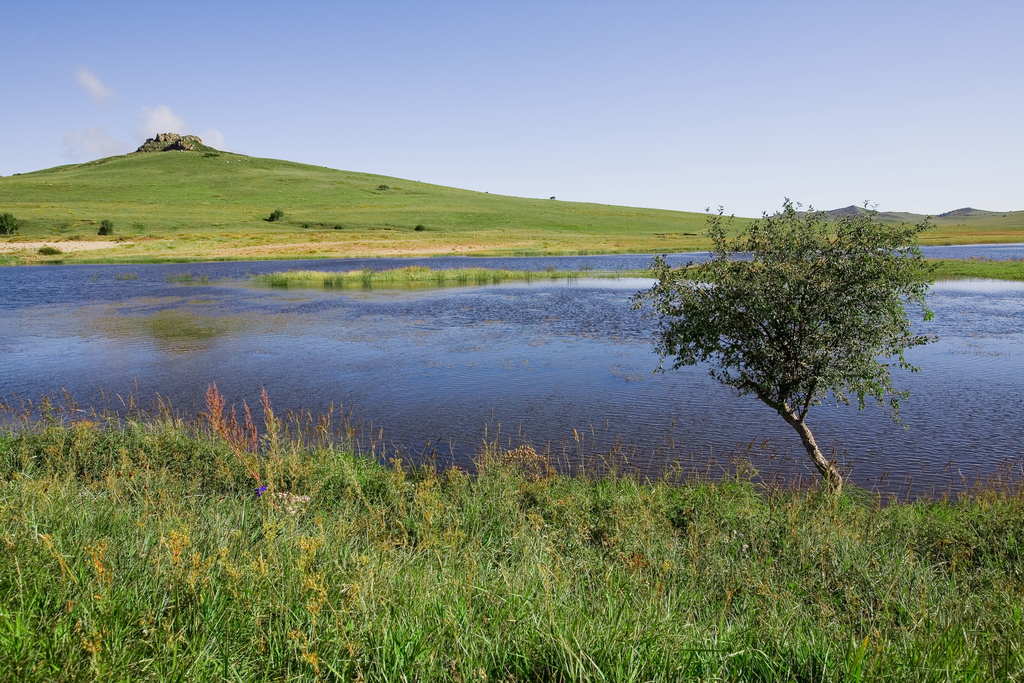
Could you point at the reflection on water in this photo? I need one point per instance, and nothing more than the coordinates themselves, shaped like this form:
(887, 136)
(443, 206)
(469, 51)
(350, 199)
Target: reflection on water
(566, 366)
(978, 285)
(174, 331)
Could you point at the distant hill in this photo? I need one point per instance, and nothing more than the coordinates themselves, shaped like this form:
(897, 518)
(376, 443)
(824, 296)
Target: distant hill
(964, 216)
(884, 216)
(967, 212)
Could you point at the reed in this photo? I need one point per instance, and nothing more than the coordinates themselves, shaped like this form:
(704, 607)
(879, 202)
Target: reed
(420, 276)
(187, 279)
(141, 547)
(423, 275)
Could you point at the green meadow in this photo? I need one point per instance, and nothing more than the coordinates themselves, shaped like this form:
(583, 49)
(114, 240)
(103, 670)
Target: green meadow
(196, 206)
(137, 549)
(974, 268)
(203, 205)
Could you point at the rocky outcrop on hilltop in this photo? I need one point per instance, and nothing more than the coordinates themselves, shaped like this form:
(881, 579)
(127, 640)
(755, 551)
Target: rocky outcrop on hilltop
(171, 142)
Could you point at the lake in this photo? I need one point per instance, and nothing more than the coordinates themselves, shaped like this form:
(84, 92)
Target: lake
(564, 366)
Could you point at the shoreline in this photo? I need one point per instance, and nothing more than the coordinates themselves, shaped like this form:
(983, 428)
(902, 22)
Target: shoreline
(944, 269)
(147, 250)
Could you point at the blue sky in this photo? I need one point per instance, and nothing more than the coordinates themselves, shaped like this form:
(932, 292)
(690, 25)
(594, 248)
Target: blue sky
(916, 106)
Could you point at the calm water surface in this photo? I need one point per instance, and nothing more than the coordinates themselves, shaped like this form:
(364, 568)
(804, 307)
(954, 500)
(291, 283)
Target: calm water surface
(563, 366)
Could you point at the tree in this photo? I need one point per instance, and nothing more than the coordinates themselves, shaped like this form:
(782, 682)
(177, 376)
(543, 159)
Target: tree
(276, 215)
(797, 311)
(8, 224)
(106, 227)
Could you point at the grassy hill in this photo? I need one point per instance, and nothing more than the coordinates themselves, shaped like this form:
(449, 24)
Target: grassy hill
(203, 204)
(178, 205)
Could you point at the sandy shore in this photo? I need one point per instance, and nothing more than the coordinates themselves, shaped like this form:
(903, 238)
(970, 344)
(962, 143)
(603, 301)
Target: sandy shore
(282, 250)
(66, 247)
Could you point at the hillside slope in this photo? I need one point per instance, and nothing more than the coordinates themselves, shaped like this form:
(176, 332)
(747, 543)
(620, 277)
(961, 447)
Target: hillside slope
(202, 203)
(216, 204)
(966, 218)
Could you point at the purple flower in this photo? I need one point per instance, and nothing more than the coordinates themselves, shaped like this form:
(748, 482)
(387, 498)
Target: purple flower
(260, 491)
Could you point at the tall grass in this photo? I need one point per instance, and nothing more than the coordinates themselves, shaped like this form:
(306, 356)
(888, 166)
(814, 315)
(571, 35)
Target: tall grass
(140, 548)
(425, 276)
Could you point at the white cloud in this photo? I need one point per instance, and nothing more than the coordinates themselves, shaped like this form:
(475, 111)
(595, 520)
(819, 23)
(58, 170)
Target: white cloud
(214, 138)
(92, 144)
(93, 86)
(162, 120)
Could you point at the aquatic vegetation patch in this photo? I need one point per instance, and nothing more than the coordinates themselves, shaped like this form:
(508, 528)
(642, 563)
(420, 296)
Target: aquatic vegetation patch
(426, 276)
(958, 269)
(187, 279)
(173, 330)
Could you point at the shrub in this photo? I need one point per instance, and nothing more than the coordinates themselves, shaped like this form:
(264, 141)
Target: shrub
(419, 228)
(8, 224)
(339, 226)
(305, 226)
(277, 215)
(47, 250)
(106, 227)
(383, 187)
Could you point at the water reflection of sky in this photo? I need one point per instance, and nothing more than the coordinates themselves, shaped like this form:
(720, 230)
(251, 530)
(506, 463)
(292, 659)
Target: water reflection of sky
(995, 252)
(978, 285)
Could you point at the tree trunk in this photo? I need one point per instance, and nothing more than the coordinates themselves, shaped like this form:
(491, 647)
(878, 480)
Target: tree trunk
(829, 471)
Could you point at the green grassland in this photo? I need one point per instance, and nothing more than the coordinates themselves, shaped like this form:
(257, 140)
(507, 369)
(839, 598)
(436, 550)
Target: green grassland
(138, 550)
(190, 205)
(199, 205)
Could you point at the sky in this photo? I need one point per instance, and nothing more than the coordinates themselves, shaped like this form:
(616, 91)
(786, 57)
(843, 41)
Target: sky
(912, 106)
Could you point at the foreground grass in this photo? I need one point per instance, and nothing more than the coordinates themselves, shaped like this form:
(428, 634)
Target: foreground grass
(139, 551)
